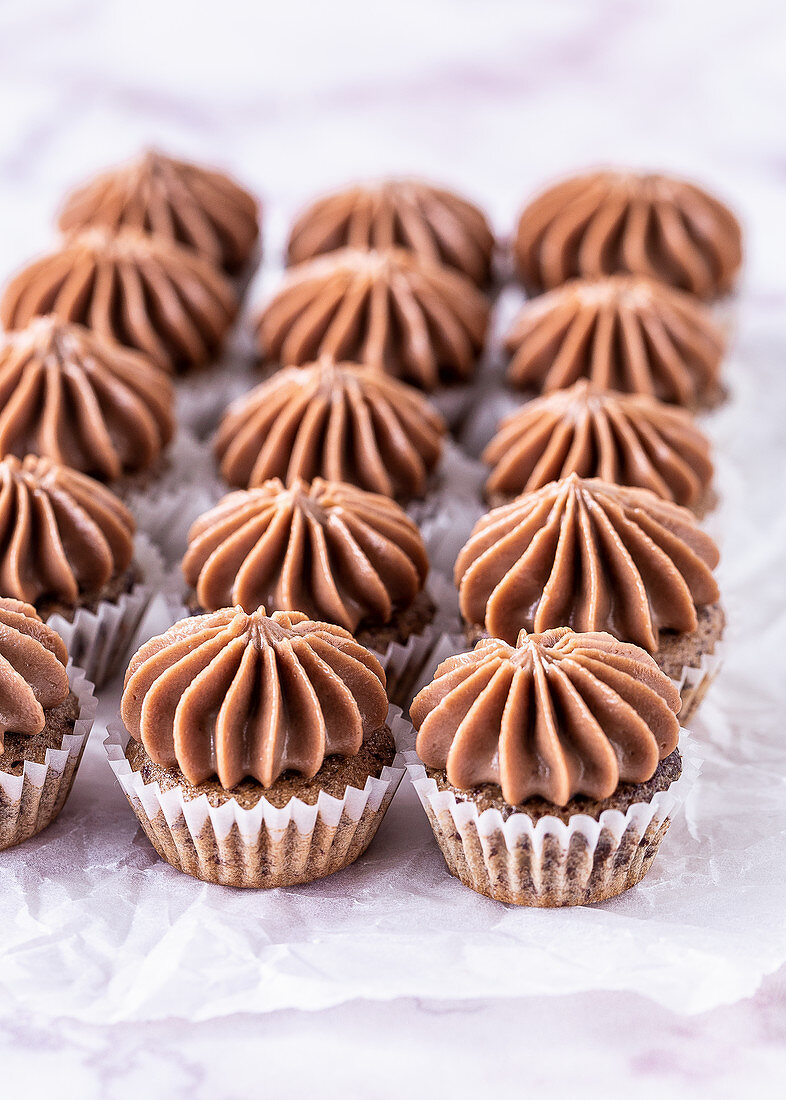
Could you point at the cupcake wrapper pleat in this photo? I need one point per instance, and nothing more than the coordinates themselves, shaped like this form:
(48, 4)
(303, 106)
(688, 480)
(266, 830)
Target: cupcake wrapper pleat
(264, 846)
(97, 641)
(31, 801)
(695, 682)
(551, 863)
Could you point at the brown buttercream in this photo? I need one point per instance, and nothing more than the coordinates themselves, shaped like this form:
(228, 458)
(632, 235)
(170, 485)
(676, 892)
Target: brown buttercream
(417, 320)
(197, 207)
(607, 222)
(340, 421)
(33, 675)
(559, 715)
(238, 695)
(330, 550)
(61, 532)
(135, 288)
(434, 223)
(589, 555)
(72, 396)
(623, 333)
(627, 439)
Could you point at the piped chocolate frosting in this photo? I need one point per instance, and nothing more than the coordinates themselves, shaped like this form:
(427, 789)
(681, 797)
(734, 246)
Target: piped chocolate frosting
(431, 221)
(33, 676)
(609, 222)
(238, 695)
(558, 715)
(589, 555)
(339, 421)
(417, 320)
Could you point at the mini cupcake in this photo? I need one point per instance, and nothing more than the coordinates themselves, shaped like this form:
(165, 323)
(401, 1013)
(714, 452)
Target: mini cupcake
(550, 769)
(256, 750)
(430, 221)
(626, 439)
(418, 320)
(594, 556)
(623, 333)
(610, 222)
(68, 549)
(133, 288)
(46, 713)
(327, 549)
(196, 207)
(339, 421)
(83, 401)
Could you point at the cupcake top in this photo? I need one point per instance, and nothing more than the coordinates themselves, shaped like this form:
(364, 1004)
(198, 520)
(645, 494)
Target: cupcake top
(627, 439)
(62, 534)
(415, 319)
(340, 421)
(622, 333)
(83, 401)
(434, 223)
(327, 549)
(135, 288)
(559, 715)
(235, 695)
(197, 207)
(601, 223)
(33, 675)
(590, 555)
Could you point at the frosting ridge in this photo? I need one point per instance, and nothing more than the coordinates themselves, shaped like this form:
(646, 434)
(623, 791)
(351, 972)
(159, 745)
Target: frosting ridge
(33, 676)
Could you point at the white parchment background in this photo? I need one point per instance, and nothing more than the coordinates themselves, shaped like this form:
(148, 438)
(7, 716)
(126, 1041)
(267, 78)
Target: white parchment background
(493, 97)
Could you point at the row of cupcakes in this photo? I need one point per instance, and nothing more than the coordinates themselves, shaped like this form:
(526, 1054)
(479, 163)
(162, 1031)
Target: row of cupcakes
(313, 520)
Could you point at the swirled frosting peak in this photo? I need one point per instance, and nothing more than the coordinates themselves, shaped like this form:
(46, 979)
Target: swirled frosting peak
(559, 715)
(137, 289)
(622, 333)
(340, 421)
(590, 555)
(327, 549)
(195, 206)
(83, 401)
(62, 534)
(33, 675)
(436, 224)
(627, 439)
(606, 222)
(238, 695)
(415, 319)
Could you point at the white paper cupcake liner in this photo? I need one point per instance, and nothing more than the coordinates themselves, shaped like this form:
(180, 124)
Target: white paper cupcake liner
(452, 507)
(264, 846)
(201, 396)
(97, 641)
(31, 801)
(551, 863)
(695, 681)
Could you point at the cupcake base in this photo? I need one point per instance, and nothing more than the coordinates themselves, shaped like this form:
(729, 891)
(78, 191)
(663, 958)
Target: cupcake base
(405, 623)
(37, 773)
(245, 838)
(543, 861)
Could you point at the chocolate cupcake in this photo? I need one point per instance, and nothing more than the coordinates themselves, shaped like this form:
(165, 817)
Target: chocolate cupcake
(594, 556)
(610, 222)
(430, 221)
(621, 333)
(339, 421)
(137, 289)
(626, 439)
(550, 769)
(418, 320)
(197, 207)
(46, 713)
(256, 750)
(68, 549)
(327, 549)
(69, 394)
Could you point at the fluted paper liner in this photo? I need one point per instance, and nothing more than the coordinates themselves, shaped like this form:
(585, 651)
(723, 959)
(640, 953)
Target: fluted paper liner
(262, 846)
(97, 641)
(31, 801)
(695, 681)
(551, 863)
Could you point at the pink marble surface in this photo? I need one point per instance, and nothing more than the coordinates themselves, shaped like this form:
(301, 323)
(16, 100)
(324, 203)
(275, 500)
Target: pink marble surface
(495, 96)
